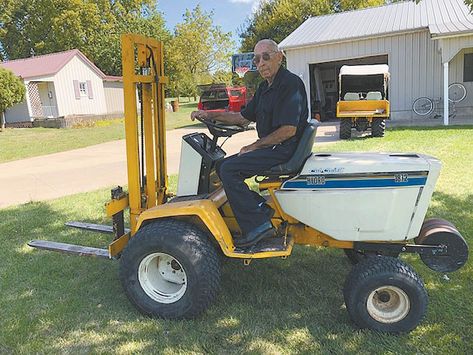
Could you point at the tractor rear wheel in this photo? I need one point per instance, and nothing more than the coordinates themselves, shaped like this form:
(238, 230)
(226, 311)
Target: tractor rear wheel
(345, 128)
(385, 294)
(378, 126)
(170, 269)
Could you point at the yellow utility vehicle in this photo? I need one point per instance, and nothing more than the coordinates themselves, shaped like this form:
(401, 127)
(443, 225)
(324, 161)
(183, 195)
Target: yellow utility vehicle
(374, 204)
(363, 102)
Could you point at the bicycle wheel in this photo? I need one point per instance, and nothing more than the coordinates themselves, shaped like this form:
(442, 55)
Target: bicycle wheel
(423, 106)
(456, 92)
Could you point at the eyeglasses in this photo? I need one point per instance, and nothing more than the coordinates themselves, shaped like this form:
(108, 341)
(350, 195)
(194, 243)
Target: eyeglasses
(265, 56)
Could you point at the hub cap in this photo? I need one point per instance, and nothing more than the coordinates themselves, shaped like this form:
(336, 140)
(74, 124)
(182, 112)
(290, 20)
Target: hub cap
(388, 304)
(162, 278)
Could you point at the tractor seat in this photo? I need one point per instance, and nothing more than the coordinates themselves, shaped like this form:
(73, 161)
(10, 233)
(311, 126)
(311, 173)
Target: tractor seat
(302, 152)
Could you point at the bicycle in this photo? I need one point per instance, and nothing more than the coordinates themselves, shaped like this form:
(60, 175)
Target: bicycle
(425, 106)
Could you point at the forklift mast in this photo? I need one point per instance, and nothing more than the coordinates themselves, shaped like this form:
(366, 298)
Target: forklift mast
(143, 85)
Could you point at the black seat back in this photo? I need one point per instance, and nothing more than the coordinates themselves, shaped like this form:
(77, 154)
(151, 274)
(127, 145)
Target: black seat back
(302, 152)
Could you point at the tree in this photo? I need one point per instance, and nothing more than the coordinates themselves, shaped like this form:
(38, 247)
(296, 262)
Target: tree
(197, 49)
(12, 91)
(34, 27)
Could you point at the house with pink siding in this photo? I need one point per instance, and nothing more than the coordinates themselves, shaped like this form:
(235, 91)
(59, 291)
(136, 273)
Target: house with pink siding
(63, 84)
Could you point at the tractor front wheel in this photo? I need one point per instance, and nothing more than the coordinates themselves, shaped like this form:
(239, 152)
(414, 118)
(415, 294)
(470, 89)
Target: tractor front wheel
(170, 269)
(384, 294)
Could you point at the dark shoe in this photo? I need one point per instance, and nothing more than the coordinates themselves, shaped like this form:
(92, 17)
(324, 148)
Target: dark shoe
(264, 231)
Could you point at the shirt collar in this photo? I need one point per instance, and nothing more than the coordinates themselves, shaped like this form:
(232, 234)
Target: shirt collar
(277, 79)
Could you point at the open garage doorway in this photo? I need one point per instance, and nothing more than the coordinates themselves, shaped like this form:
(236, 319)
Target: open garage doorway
(324, 84)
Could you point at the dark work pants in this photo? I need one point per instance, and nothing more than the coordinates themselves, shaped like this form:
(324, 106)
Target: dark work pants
(235, 169)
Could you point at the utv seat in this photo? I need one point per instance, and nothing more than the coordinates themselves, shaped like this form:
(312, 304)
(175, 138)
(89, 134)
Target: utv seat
(298, 159)
(351, 96)
(374, 95)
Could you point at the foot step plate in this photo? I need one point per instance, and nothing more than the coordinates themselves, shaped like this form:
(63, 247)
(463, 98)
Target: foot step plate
(266, 245)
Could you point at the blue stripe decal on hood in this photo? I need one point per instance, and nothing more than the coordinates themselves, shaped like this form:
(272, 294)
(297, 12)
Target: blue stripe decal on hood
(353, 184)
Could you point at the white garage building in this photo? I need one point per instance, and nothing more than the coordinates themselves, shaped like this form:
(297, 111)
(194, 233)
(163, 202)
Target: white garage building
(427, 47)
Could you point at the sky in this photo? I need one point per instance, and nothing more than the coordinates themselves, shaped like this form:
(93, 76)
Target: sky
(229, 14)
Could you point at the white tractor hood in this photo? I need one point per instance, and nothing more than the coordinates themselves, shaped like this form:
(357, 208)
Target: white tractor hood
(362, 196)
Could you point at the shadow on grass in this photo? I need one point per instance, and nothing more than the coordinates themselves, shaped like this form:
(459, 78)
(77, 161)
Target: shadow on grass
(65, 303)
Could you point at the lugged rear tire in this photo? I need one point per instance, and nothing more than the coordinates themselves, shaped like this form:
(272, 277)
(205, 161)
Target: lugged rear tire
(170, 269)
(385, 294)
(345, 128)
(378, 127)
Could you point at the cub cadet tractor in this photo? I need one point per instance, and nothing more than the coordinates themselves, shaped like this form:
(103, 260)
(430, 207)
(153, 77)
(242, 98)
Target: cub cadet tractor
(374, 209)
(363, 102)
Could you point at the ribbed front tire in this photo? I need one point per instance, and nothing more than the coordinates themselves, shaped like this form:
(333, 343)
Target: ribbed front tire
(170, 269)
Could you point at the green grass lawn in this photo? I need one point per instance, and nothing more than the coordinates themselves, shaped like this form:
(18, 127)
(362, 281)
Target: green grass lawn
(53, 303)
(23, 143)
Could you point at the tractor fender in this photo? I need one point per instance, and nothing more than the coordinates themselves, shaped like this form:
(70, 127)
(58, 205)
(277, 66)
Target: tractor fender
(205, 210)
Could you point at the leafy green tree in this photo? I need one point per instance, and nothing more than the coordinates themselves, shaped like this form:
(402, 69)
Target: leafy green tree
(197, 48)
(12, 91)
(35, 27)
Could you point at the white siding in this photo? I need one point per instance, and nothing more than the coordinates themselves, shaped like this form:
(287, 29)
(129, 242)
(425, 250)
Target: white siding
(451, 46)
(414, 61)
(456, 76)
(114, 96)
(76, 69)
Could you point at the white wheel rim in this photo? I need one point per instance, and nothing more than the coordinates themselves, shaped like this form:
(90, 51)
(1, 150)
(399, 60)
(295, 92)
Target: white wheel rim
(388, 304)
(423, 106)
(456, 92)
(162, 278)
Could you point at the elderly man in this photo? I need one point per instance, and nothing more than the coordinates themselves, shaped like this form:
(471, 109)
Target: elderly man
(279, 108)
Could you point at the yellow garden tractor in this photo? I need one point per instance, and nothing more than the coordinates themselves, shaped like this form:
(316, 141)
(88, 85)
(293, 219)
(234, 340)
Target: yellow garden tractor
(374, 209)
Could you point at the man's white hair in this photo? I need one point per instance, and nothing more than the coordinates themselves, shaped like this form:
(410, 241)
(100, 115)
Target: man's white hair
(271, 44)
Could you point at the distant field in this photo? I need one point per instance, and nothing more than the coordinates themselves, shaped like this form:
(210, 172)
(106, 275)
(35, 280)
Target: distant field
(23, 143)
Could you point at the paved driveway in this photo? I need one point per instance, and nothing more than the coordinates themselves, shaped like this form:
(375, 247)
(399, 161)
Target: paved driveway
(91, 168)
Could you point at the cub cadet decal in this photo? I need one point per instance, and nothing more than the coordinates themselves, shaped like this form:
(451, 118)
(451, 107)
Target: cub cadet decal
(327, 170)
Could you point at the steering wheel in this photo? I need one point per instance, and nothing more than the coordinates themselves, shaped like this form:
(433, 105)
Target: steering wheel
(220, 129)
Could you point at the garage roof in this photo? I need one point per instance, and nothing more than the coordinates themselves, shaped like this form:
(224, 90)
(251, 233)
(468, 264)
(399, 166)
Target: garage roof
(440, 17)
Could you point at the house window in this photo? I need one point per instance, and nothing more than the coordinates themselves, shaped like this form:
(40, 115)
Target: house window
(468, 68)
(83, 88)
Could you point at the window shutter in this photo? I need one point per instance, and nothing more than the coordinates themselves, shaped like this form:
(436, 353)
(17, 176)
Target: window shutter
(468, 68)
(76, 89)
(89, 89)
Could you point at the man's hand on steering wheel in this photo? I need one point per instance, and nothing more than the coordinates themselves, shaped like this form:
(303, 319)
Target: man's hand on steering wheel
(200, 115)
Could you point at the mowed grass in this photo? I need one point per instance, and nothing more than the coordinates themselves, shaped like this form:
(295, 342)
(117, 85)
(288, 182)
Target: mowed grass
(53, 303)
(20, 143)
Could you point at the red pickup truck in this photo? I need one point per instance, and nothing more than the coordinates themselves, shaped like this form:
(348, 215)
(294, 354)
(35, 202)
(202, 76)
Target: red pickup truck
(220, 97)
